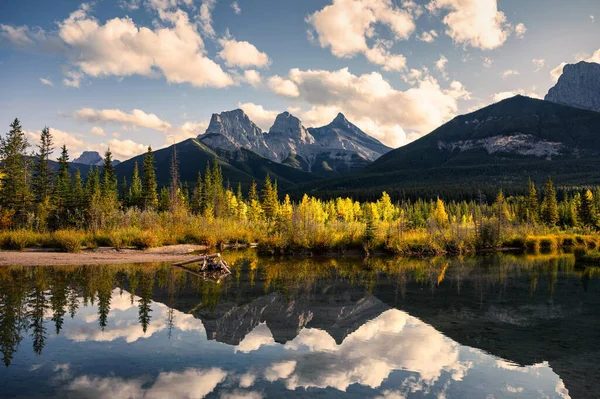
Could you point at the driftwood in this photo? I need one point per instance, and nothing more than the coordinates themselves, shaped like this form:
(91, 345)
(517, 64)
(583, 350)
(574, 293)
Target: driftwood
(211, 266)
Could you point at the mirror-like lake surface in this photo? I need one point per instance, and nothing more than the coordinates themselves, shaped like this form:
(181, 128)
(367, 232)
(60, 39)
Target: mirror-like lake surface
(500, 326)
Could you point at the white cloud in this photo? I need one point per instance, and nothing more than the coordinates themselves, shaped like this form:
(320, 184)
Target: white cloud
(242, 54)
(98, 131)
(121, 48)
(440, 65)
(371, 102)
(392, 341)
(247, 380)
(190, 383)
(130, 5)
(236, 7)
(474, 22)
(428, 37)
(205, 17)
(346, 26)
(556, 72)
(258, 337)
(252, 77)
(284, 87)
(239, 394)
(520, 30)
(508, 94)
(47, 82)
(259, 115)
(72, 78)
(488, 62)
(538, 63)
(592, 19)
(17, 35)
(136, 117)
(509, 72)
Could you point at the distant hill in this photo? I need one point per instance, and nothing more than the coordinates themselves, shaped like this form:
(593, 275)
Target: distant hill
(499, 145)
(241, 166)
(92, 158)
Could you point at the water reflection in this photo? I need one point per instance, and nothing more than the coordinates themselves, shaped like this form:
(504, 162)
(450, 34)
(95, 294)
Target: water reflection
(464, 327)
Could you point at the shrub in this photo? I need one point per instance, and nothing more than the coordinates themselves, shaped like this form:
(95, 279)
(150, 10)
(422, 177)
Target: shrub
(145, 240)
(19, 239)
(67, 240)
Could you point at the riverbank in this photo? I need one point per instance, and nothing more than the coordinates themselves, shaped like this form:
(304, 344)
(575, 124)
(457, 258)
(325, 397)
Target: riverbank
(99, 256)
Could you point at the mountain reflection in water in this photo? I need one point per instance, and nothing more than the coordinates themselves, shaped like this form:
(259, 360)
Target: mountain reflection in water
(481, 327)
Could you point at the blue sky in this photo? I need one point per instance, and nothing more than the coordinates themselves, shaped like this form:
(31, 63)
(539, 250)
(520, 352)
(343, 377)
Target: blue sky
(129, 73)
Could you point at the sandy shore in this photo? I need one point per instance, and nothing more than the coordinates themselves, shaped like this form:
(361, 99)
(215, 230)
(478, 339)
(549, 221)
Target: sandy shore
(41, 257)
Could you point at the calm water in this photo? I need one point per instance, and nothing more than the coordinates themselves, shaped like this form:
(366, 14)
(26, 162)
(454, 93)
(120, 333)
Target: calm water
(490, 327)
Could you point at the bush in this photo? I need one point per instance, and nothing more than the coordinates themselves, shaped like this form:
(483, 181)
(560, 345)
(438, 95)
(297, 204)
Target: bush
(532, 244)
(145, 240)
(67, 240)
(19, 240)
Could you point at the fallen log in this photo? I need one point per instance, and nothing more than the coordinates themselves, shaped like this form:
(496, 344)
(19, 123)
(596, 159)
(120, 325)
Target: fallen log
(204, 258)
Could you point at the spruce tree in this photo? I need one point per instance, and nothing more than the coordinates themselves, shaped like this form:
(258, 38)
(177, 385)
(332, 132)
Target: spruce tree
(550, 206)
(109, 177)
(15, 194)
(62, 188)
(174, 182)
(533, 208)
(270, 201)
(78, 192)
(587, 213)
(196, 203)
(42, 175)
(135, 190)
(149, 195)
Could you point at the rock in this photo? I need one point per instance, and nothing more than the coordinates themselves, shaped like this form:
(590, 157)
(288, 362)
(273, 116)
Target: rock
(578, 86)
(92, 158)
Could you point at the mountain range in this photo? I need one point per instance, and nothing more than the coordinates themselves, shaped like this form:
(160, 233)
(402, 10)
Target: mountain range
(500, 145)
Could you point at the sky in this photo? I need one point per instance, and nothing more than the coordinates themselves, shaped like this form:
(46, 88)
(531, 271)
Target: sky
(126, 74)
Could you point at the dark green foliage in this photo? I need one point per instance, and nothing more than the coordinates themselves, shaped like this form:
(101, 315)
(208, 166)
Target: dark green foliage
(550, 214)
(42, 174)
(149, 195)
(135, 195)
(15, 194)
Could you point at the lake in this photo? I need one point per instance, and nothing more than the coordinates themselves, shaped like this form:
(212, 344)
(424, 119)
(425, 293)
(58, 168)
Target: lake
(498, 326)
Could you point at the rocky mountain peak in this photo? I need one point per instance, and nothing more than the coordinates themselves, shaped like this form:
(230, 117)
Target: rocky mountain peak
(340, 120)
(288, 126)
(578, 86)
(92, 158)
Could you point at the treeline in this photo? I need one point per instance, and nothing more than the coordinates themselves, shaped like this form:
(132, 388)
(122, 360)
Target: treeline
(36, 199)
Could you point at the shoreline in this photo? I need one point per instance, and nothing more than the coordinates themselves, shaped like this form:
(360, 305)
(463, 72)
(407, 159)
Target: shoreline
(100, 256)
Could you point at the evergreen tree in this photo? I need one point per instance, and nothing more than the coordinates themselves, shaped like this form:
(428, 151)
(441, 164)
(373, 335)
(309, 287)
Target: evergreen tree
(196, 202)
(15, 194)
(270, 201)
(42, 175)
(533, 208)
(135, 190)
(62, 190)
(124, 192)
(174, 182)
(586, 211)
(79, 194)
(550, 206)
(109, 177)
(149, 195)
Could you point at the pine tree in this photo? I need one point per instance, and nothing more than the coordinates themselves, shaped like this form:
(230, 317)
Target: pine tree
(135, 190)
(550, 206)
(533, 208)
(586, 211)
(15, 194)
(62, 189)
(196, 202)
(149, 195)
(270, 201)
(109, 177)
(174, 182)
(42, 175)
(78, 191)
(124, 192)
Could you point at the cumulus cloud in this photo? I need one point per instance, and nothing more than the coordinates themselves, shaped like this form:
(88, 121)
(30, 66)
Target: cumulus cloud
(236, 7)
(392, 341)
(190, 383)
(258, 337)
(98, 131)
(592, 19)
(139, 118)
(258, 114)
(477, 23)
(520, 30)
(538, 63)
(239, 394)
(72, 78)
(511, 93)
(347, 27)
(47, 82)
(241, 54)
(595, 57)
(252, 77)
(509, 72)
(121, 48)
(206, 22)
(428, 37)
(556, 72)
(371, 102)
(284, 87)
